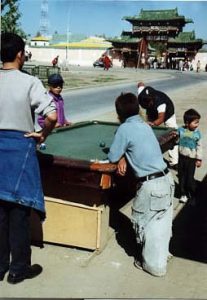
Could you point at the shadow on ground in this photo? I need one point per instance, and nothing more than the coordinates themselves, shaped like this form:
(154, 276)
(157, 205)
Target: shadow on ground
(120, 195)
(189, 239)
(190, 228)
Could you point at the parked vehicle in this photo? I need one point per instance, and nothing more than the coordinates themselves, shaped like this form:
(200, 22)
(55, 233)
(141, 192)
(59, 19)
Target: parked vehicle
(103, 62)
(98, 63)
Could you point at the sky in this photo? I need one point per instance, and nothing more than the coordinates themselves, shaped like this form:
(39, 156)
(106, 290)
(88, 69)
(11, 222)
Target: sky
(97, 17)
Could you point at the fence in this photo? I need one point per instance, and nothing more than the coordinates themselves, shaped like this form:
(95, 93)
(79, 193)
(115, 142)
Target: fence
(42, 72)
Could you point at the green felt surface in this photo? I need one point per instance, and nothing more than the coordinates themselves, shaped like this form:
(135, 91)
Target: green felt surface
(82, 140)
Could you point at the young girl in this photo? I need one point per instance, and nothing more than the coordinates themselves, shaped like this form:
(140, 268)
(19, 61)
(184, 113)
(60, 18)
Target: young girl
(55, 82)
(190, 154)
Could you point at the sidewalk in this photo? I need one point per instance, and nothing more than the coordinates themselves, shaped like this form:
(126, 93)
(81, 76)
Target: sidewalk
(75, 273)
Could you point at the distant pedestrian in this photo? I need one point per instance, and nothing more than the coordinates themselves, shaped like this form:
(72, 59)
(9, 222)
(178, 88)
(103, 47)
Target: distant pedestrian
(198, 66)
(107, 62)
(30, 56)
(181, 64)
(55, 61)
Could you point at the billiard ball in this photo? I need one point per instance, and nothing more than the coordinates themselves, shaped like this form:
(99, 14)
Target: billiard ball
(42, 146)
(102, 144)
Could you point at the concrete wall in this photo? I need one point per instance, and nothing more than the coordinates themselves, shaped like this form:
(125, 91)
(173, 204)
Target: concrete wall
(85, 57)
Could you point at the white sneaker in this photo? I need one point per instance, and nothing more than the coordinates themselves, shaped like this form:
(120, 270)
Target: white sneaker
(183, 199)
(170, 256)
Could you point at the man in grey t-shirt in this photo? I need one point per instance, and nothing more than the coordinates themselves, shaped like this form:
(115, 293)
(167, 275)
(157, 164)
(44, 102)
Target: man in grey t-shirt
(20, 184)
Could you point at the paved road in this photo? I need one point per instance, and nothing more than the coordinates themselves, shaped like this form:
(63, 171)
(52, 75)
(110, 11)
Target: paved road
(83, 104)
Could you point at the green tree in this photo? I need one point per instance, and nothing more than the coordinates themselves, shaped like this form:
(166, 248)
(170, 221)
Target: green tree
(160, 47)
(10, 16)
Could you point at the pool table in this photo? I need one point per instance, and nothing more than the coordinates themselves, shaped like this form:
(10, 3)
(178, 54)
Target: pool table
(83, 194)
(74, 162)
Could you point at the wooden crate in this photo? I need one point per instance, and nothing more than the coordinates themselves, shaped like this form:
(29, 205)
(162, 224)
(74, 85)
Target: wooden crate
(73, 224)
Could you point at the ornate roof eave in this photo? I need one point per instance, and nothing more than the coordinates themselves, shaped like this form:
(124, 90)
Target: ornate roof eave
(158, 15)
(130, 19)
(156, 32)
(125, 41)
(176, 50)
(188, 20)
(174, 41)
(185, 37)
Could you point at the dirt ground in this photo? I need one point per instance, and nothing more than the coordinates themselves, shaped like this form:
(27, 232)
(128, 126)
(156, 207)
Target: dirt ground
(75, 273)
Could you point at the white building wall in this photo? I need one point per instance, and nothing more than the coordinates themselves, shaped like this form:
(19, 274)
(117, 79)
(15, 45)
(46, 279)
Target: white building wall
(86, 57)
(39, 43)
(202, 56)
(82, 57)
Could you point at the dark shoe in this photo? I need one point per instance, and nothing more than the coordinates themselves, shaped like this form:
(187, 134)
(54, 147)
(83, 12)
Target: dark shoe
(32, 272)
(2, 274)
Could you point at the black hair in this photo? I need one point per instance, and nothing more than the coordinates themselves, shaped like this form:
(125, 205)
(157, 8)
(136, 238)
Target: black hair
(11, 44)
(191, 115)
(127, 105)
(146, 97)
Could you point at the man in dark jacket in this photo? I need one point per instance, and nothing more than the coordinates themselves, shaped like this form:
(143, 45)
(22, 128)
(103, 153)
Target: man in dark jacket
(159, 110)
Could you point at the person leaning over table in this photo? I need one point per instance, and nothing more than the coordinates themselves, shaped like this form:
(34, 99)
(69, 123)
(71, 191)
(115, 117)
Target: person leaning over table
(152, 206)
(159, 110)
(20, 185)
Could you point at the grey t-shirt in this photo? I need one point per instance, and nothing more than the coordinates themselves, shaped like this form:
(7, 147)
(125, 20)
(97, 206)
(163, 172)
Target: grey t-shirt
(20, 94)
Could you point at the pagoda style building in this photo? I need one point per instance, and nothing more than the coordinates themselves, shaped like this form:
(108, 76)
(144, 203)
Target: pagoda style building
(185, 46)
(154, 26)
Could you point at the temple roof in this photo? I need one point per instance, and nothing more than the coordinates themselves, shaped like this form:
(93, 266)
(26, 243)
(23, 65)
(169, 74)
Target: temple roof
(126, 37)
(158, 15)
(40, 38)
(89, 43)
(204, 47)
(185, 37)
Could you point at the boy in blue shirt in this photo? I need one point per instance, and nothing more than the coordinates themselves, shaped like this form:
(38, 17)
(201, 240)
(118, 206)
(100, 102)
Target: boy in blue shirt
(190, 154)
(136, 142)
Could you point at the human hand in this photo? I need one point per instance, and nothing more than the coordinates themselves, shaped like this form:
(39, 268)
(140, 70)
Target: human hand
(38, 136)
(150, 123)
(198, 163)
(57, 125)
(67, 123)
(122, 167)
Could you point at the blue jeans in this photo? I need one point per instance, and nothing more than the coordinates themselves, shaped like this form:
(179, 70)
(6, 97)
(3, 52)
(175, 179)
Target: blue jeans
(152, 210)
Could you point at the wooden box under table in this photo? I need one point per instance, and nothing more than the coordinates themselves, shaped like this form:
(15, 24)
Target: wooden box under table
(73, 224)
